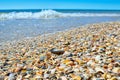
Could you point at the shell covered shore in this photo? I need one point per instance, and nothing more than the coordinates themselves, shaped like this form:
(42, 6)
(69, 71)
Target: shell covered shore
(91, 52)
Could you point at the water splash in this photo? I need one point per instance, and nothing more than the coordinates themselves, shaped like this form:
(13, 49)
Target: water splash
(47, 14)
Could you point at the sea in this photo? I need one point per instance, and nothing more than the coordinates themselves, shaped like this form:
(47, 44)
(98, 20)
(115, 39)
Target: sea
(22, 24)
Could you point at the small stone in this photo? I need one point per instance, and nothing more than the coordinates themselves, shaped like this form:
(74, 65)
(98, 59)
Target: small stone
(70, 55)
(57, 51)
(11, 76)
(42, 57)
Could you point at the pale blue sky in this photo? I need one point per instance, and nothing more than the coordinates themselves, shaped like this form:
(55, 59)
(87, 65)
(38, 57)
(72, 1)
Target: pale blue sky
(60, 4)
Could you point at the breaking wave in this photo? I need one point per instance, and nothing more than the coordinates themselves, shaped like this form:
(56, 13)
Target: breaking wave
(46, 14)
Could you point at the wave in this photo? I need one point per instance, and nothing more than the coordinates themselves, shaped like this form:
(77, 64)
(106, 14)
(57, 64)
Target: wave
(46, 14)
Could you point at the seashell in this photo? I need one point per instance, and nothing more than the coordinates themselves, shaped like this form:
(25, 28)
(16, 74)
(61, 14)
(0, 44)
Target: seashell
(63, 78)
(18, 69)
(98, 79)
(113, 78)
(74, 77)
(98, 58)
(79, 61)
(36, 77)
(105, 66)
(90, 63)
(116, 70)
(67, 43)
(99, 69)
(48, 55)
(106, 76)
(53, 71)
(57, 51)
(19, 77)
(68, 62)
(23, 71)
(60, 69)
(27, 76)
(108, 52)
(39, 72)
(23, 50)
(110, 66)
(35, 68)
(46, 75)
(91, 70)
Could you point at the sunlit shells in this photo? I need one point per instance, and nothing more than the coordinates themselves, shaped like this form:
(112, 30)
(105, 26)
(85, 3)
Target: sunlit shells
(116, 70)
(90, 52)
(74, 77)
(68, 62)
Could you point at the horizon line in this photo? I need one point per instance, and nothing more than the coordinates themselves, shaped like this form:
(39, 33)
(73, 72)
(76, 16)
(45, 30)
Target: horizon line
(57, 9)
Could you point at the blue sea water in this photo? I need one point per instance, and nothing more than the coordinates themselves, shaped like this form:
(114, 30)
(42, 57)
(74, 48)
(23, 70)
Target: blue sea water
(19, 24)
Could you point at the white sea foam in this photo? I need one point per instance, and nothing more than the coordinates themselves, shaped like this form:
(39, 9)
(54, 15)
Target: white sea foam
(45, 14)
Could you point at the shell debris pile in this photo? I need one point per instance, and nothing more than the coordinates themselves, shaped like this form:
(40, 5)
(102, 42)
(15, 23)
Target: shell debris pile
(91, 52)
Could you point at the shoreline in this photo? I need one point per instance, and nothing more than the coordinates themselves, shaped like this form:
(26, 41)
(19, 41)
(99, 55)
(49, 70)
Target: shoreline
(49, 34)
(91, 52)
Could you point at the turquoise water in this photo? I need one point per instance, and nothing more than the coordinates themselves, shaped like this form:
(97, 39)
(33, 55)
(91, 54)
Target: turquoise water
(19, 24)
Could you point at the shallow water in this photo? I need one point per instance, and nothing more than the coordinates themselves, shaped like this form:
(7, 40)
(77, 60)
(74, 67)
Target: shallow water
(16, 29)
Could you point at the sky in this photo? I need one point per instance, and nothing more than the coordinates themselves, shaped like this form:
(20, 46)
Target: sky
(60, 4)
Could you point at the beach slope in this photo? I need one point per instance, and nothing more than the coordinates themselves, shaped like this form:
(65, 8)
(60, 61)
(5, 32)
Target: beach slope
(90, 52)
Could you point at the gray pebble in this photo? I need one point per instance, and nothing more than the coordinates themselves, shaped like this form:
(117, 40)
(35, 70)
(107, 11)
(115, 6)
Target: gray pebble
(11, 76)
(42, 58)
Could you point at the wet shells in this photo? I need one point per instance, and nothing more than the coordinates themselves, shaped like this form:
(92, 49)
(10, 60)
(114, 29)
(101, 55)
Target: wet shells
(57, 51)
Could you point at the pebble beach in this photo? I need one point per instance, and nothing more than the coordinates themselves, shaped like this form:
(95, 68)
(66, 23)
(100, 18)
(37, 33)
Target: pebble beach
(90, 52)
